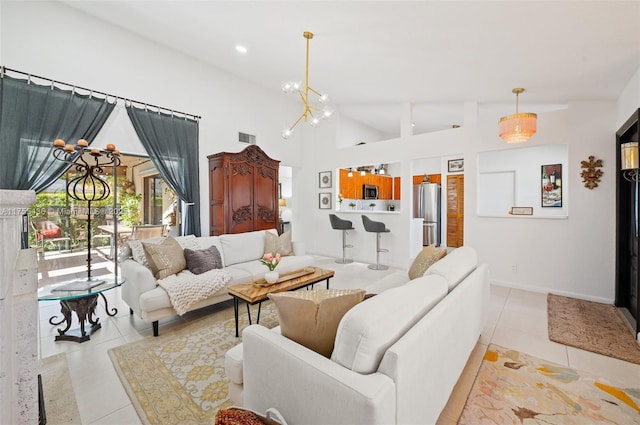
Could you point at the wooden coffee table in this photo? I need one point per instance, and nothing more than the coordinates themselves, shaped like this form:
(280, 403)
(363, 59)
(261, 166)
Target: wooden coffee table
(258, 291)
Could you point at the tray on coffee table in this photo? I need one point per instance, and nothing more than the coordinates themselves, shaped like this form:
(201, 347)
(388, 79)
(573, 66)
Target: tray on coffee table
(286, 276)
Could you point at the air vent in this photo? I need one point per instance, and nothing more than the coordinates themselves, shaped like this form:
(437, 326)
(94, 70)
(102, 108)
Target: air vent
(249, 139)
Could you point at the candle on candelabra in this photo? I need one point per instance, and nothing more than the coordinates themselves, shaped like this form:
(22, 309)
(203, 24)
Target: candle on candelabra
(89, 185)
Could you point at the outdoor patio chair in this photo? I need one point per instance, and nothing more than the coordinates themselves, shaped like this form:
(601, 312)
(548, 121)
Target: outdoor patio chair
(147, 231)
(48, 231)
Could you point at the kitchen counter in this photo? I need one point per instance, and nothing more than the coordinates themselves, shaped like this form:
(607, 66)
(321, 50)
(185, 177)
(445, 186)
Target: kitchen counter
(367, 211)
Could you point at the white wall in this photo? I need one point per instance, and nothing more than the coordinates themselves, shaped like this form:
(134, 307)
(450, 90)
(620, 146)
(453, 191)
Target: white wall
(518, 168)
(573, 256)
(66, 45)
(350, 133)
(629, 101)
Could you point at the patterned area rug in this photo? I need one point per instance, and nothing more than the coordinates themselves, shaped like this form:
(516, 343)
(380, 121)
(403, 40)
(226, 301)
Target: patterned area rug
(515, 388)
(591, 326)
(178, 377)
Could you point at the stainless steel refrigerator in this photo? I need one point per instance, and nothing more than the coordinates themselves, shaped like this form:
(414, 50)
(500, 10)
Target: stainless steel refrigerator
(426, 205)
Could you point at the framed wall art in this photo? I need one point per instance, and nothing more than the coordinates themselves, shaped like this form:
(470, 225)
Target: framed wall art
(324, 179)
(324, 201)
(551, 185)
(456, 165)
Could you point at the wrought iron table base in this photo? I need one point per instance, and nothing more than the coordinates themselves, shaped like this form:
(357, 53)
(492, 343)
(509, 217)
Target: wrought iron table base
(85, 311)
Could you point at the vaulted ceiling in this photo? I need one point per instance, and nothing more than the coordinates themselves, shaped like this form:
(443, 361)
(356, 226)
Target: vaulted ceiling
(373, 56)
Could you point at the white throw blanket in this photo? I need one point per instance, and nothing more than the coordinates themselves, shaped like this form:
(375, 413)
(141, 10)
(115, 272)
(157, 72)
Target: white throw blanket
(185, 288)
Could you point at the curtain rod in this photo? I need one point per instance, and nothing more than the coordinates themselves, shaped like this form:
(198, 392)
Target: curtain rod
(3, 69)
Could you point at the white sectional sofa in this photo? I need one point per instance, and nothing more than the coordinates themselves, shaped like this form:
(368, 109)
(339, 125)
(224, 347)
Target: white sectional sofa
(240, 253)
(396, 359)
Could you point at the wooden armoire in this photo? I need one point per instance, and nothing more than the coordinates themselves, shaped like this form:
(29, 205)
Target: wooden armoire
(243, 191)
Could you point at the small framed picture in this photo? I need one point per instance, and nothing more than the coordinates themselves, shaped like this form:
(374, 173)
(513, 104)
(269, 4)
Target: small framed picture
(456, 165)
(324, 179)
(324, 201)
(551, 182)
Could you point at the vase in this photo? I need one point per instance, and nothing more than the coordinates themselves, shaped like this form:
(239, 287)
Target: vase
(271, 276)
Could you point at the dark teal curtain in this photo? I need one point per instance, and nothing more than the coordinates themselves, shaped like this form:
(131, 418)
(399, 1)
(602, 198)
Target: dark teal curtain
(172, 145)
(32, 116)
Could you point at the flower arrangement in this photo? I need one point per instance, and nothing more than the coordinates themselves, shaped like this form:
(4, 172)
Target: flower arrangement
(340, 198)
(270, 260)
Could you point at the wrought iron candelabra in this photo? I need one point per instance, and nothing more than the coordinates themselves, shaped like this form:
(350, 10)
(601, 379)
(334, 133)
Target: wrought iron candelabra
(88, 186)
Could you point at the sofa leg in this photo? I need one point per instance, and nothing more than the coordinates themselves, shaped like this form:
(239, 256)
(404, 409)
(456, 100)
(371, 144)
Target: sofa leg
(130, 311)
(155, 328)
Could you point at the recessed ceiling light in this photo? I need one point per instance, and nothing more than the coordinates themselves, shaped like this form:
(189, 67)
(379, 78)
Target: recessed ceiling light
(241, 49)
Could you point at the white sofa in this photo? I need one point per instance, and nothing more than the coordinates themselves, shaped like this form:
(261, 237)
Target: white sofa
(396, 359)
(240, 253)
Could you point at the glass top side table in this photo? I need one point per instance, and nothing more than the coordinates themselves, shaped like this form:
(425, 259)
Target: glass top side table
(80, 296)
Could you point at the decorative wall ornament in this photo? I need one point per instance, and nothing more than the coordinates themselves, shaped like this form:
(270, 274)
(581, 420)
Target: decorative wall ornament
(591, 172)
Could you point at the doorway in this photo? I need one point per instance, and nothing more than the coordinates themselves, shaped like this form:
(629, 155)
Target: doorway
(628, 215)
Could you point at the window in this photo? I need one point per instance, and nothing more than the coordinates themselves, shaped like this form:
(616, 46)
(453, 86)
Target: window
(153, 199)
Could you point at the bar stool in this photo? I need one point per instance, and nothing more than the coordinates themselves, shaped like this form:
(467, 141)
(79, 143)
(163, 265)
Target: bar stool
(376, 227)
(344, 225)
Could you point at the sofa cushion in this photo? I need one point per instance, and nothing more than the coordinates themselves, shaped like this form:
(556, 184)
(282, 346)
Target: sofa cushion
(278, 244)
(133, 249)
(137, 250)
(242, 247)
(370, 328)
(429, 255)
(457, 265)
(165, 258)
(202, 260)
(311, 317)
(204, 242)
(389, 281)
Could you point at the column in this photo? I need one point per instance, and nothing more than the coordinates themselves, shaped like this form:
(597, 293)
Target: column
(18, 314)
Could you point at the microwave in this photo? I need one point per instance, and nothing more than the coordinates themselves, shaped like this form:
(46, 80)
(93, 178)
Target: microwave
(369, 191)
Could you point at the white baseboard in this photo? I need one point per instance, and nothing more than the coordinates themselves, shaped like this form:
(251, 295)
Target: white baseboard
(544, 290)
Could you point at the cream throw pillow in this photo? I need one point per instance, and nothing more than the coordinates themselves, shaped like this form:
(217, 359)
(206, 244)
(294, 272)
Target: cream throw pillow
(424, 260)
(165, 258)
(311, 318)
(278, 244)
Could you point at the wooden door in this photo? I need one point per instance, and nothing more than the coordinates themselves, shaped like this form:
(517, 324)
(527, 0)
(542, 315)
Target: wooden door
(455, 210)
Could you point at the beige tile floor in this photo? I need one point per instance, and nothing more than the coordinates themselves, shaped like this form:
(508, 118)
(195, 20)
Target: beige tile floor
(517, 320)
